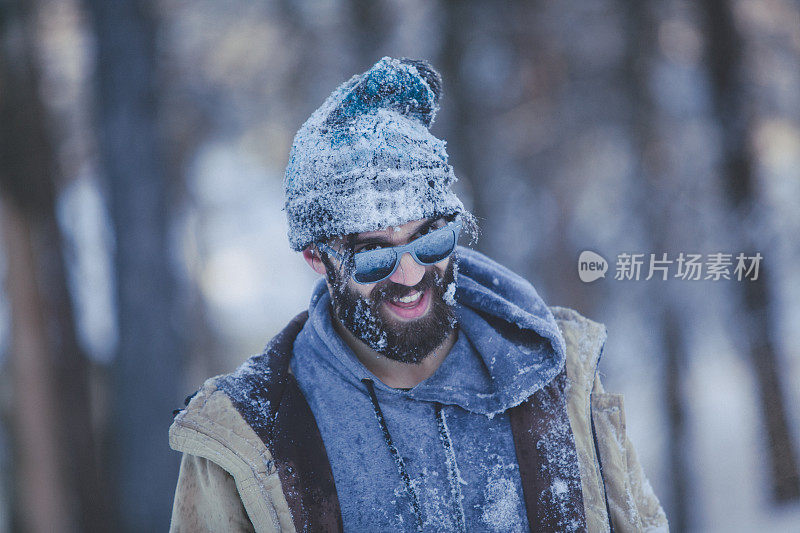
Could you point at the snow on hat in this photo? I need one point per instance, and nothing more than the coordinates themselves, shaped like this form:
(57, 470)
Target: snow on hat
(365, 159)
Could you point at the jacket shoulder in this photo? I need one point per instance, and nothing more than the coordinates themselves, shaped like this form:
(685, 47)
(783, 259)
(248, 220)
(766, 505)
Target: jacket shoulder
(210, 427)
(598, 423)
(215, 411)
(229, 422)
(584, 340)
(250, 395)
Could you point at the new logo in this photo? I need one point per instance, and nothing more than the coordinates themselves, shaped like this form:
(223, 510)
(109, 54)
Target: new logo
(591, 266)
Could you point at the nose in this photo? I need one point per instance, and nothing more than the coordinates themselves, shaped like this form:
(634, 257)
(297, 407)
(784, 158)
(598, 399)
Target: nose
(408, 272)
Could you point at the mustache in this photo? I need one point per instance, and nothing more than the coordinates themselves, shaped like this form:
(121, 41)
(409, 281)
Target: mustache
(389, 290)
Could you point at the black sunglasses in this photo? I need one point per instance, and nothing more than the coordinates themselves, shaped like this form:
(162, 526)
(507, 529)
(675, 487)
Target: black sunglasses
(372, 266)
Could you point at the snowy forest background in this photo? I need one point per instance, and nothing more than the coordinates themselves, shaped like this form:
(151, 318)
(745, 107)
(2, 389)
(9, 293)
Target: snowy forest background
(143, 247)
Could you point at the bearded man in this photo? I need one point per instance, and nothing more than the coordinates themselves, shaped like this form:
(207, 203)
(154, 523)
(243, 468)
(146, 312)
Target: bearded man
(426, 388)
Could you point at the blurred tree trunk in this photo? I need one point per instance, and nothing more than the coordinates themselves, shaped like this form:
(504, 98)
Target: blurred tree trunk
(146, 382)
(654, 127)
(731, 93)
(370, 25)
(467, 126)
(57, 464)
(41, 486)
(305, 46)
(675, 362)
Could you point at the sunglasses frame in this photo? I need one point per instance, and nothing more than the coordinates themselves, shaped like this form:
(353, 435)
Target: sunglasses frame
(411, 248)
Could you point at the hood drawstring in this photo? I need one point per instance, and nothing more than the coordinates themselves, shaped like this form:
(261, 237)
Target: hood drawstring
(398, 461)
(453, 475)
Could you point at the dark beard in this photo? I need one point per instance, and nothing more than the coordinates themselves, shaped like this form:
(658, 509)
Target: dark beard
(408, 341)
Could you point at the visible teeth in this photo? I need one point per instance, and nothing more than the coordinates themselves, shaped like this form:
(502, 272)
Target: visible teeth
(410, 298)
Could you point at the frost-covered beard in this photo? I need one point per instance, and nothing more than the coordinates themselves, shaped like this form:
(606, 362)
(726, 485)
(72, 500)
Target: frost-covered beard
(405, 341)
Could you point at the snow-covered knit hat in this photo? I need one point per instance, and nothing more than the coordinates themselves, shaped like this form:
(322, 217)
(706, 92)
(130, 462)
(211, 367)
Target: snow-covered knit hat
(365, 159)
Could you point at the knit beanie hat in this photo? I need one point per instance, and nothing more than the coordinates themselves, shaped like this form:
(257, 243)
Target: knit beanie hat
(365, 159)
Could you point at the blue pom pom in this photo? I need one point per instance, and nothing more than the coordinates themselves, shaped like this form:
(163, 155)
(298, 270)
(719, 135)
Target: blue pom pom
(409, 87)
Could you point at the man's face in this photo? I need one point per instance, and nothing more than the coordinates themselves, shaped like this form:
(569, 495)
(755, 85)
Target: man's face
(404, 317)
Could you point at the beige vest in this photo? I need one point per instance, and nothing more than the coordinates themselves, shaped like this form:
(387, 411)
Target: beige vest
(228, 481)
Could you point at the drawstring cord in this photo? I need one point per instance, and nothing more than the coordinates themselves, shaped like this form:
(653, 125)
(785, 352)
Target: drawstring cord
(453, 474)
(398, 461)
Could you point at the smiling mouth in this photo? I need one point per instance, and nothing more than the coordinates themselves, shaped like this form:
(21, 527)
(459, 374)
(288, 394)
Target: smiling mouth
(412, 305)
(409, 300)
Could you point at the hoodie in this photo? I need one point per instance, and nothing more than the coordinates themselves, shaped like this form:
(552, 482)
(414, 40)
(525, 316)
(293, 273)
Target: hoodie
(441, 455)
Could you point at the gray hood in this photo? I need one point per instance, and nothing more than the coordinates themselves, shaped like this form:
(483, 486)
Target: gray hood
(501, 317)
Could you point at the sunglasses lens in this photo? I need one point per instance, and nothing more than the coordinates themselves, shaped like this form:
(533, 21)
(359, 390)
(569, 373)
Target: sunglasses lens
(435, 246)
(374, 265)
